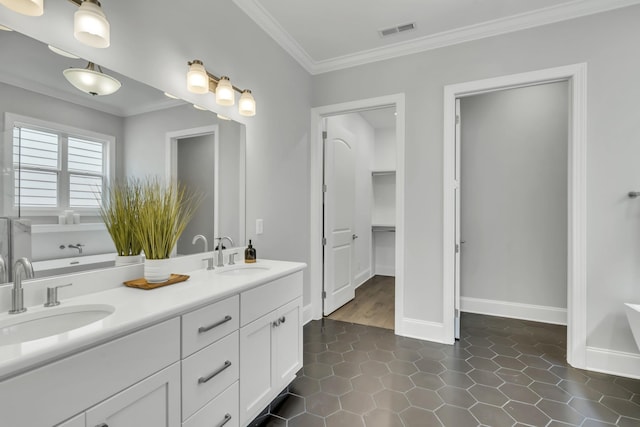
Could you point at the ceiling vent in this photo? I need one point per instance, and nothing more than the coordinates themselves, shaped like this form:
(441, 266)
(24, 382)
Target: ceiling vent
(395, 30)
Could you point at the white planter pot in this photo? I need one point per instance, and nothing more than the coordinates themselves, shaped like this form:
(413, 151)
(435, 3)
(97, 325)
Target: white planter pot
(157, 270)
(128, 260)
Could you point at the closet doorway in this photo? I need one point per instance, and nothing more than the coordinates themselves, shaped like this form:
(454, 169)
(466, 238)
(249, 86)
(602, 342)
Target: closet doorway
(363, 272)
(359, 217)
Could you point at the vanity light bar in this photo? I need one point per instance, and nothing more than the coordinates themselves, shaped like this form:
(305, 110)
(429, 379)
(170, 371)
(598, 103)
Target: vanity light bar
(200, 81)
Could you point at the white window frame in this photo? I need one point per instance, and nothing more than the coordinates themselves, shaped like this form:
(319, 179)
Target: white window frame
(13, 120)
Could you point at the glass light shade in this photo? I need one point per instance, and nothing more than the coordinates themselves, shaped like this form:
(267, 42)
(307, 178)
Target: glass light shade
(168, 95)
(200, 107)
(247, 105)
(90, 25)
(197, 78)
(62, 52)
(25, 7)
(91, 81)
(224, 92)
(3, 28)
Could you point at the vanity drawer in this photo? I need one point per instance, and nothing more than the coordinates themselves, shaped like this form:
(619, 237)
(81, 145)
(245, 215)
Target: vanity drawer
(263, 299)
(208, 324)
(208, 372)
(221, 411)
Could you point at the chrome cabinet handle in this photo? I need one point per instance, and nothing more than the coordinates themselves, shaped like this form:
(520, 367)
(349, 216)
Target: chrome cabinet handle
(103, 425)
(278, 322)
(202, 329)
(354, 236)
(203, 380)
(227, 418)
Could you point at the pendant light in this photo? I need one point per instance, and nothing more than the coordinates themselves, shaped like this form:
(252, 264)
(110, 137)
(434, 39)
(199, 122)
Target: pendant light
(197, 78)
(90, 25)
(246, 104)
(25, 7)
(92, 81)
(224, 92)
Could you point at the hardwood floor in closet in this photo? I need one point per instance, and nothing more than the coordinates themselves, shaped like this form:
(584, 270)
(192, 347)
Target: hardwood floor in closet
(374, 304)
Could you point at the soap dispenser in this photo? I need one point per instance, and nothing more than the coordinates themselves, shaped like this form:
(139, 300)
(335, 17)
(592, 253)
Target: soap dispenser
(250, 254)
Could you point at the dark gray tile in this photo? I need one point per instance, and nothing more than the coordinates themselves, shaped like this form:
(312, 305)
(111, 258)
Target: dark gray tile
(492, 416)
(490, 395)
(456, 397)
(560, 412)
(391, 400)
(424, 399)
(527, 414)
(502, 372)
(455, 417)
(397, 382)
(382, 418)
(416, 417)
(357, 402)
(344, 419)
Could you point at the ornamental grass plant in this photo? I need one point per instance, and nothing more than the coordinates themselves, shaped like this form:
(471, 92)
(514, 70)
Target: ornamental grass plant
(119, 211)
(164, 212)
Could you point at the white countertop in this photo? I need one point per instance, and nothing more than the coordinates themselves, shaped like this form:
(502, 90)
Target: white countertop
(134, 310)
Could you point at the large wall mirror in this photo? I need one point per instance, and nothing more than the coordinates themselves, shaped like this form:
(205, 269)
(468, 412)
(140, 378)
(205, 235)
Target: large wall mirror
(145, 134)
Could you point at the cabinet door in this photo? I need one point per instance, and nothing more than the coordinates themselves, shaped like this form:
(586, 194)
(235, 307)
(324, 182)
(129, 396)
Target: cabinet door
(287, 344)
(256, 378)
(153, 402)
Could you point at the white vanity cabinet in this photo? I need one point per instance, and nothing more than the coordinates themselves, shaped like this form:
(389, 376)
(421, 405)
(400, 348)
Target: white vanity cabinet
(270, 342)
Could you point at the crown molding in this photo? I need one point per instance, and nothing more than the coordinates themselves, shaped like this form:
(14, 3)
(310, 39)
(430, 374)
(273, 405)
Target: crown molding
(536, 18)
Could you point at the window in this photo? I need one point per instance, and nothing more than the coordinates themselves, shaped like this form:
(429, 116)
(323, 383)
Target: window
(57, 169)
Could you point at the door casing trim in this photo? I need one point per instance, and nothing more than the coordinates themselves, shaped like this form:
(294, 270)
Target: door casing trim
(576, 76)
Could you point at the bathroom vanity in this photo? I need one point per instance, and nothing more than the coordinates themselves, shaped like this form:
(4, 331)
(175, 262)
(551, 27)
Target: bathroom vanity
(214, 350)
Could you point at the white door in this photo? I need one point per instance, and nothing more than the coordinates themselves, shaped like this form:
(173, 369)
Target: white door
(339, 216)
(458, 242)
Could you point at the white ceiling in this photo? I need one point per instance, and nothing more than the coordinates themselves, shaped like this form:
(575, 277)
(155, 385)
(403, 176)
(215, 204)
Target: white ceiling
(334, 34)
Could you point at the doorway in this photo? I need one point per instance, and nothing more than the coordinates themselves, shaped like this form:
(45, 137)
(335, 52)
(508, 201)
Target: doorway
(317, 271)
(575, 76)
(359, 217)
(513, 203)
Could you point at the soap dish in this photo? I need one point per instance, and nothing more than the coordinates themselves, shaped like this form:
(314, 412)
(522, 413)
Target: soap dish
(143, 284)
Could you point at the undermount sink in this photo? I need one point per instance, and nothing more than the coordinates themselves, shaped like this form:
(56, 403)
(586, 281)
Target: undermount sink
(243, 270)
(47, 322)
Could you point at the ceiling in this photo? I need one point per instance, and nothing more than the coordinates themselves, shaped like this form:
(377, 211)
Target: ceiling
(334, 34)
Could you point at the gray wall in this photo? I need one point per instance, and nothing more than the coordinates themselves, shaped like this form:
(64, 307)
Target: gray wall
(195, 170)
(603, 41)
(514, 195)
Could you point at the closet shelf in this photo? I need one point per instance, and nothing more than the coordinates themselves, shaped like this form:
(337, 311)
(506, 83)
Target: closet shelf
(383, 172)
(383, 227)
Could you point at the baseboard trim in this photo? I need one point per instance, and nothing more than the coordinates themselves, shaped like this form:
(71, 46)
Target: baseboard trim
(514, 310)
(613, 362)
(307, 314)
(361, 278)
(423, 330)
(385, 270)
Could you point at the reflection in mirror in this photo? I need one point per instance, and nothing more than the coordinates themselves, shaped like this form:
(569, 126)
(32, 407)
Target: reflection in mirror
(130, 128)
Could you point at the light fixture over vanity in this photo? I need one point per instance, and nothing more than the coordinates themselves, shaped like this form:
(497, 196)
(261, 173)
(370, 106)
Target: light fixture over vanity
(92, 81)
(200, 81)
(90, 24)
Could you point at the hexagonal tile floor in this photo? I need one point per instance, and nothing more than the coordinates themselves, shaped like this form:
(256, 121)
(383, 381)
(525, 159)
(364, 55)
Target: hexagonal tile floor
(502, 372)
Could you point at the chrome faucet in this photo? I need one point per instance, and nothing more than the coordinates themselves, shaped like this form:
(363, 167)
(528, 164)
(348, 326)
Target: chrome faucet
(21, 267)
(219, 254)
(77, 246)
(203, 238)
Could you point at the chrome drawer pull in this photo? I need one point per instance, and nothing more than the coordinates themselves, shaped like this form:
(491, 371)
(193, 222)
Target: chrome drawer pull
(227, 418)
(203, 380)
(103, 425)
(202, 329)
